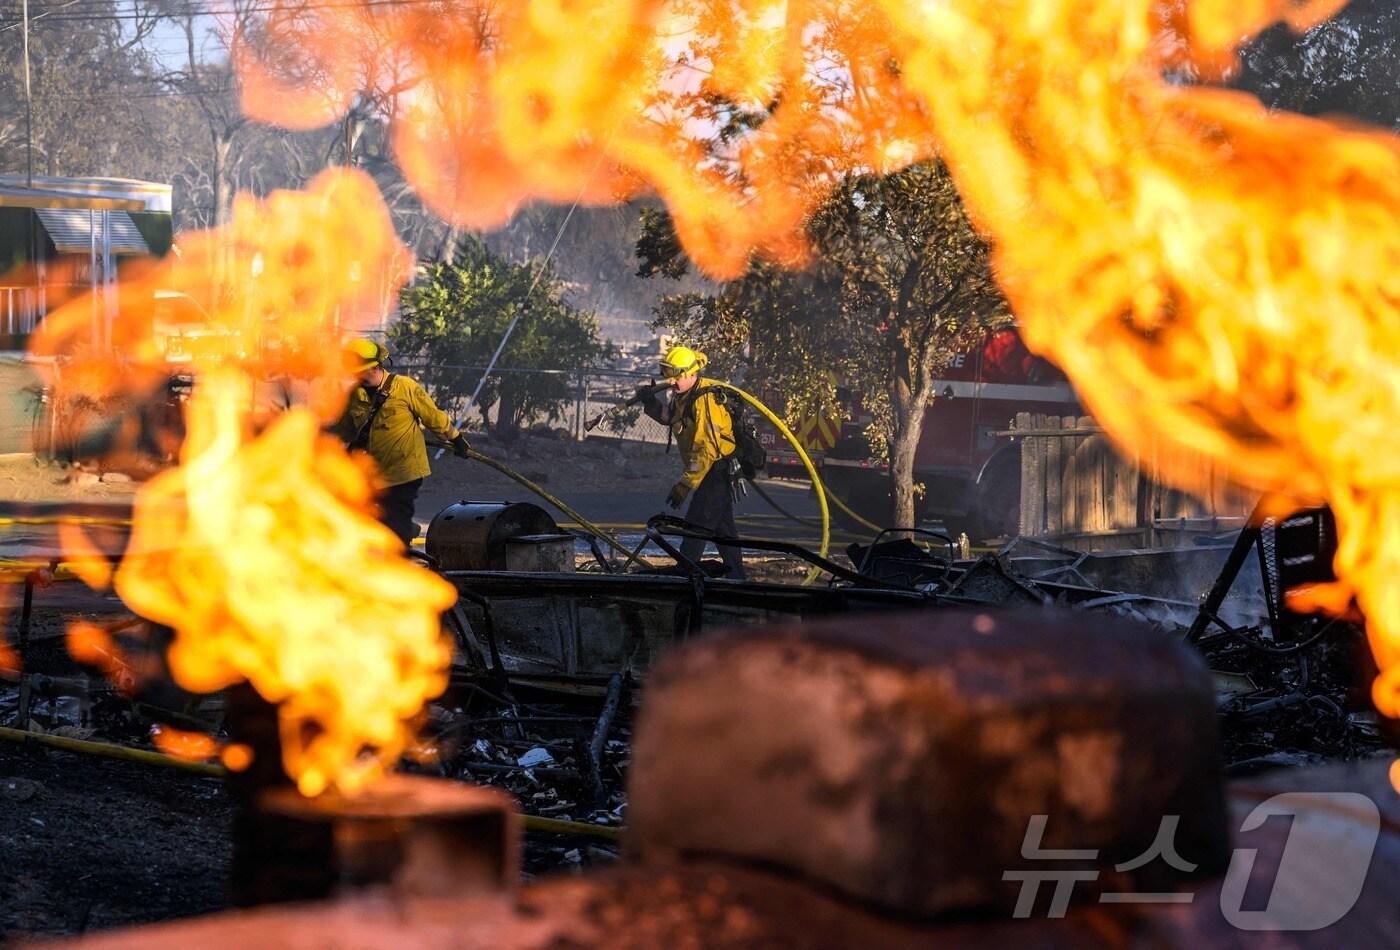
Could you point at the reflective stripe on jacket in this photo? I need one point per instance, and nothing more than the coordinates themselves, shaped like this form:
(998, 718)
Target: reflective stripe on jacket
(395, 438)
(704, 431)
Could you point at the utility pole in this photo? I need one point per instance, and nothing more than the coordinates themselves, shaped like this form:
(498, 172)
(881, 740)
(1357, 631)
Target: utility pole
(28, 104)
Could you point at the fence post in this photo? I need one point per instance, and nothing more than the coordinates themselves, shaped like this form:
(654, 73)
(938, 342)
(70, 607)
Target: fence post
(1053, 472)
(580, 398)
(1030, 477)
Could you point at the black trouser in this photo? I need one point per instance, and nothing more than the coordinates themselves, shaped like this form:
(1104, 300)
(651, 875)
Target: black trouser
(712, 507)
(396, 509)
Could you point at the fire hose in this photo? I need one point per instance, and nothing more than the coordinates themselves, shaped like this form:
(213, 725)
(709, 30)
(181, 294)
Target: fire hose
(773, 503)
(787, 433)
(111, 750)
(524, 482)
(796, 444)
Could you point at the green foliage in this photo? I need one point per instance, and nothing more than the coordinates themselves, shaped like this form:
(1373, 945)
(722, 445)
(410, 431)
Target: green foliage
(621, 423)
(454, 317)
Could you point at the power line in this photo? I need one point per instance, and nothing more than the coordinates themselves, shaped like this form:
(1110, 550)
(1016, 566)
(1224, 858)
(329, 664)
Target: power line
(30, 20)
(126, 97)
(253, 6)
(246, 11)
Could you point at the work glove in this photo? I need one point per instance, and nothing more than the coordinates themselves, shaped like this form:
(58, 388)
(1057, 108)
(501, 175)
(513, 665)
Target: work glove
(460, 446)
(679, 491)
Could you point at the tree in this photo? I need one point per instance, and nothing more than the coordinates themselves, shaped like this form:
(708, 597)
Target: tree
(207, 80)
(1348, 64)
(94, 94)
(454, 317)
(899, 284)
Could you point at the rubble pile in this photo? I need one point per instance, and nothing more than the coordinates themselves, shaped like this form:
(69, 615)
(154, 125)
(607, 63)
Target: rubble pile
(540, 752)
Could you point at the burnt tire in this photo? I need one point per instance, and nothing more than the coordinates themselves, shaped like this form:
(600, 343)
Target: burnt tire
(996, 511)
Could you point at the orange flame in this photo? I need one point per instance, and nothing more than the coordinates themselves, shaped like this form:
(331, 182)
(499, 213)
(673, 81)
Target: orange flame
(1209, 274)
(262, 557)
(94, 646)
(259, 550)
(236, 756)
(496, 104)
(182, 744)
(83, 557)
(273, 290)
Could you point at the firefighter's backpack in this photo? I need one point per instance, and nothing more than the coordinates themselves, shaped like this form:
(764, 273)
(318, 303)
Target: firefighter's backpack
(748, 450)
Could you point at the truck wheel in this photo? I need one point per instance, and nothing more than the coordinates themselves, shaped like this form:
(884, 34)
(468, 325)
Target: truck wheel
(867, 493)
(997, 511)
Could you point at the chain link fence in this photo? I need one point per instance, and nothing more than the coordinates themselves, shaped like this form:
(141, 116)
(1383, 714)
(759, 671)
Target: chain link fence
(593, 393)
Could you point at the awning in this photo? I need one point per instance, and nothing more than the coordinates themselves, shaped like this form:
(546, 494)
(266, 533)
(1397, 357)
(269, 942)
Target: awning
(75, 231)
(14, 197)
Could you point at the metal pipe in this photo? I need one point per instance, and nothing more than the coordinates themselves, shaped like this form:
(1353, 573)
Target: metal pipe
(600, 738)
(109, 750)
(28, 103)
(25, 617)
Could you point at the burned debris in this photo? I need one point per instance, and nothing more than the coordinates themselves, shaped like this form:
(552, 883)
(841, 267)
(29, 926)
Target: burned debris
(551, 666)
(851, 806)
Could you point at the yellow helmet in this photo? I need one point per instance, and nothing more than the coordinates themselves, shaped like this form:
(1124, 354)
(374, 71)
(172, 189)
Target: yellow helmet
(682, 361)
(363, 353)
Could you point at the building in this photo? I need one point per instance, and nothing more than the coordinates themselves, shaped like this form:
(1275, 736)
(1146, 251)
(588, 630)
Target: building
(76, 232)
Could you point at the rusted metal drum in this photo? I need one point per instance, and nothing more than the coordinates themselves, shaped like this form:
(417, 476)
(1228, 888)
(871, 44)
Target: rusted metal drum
(472, 535)
(904, 759)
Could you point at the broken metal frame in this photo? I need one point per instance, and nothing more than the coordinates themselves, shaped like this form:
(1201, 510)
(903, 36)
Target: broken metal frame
(26, 619)
(863, 567)
(660, 525)
(1253, 538)
(609, 567)
(1075, 558)
(598, 741)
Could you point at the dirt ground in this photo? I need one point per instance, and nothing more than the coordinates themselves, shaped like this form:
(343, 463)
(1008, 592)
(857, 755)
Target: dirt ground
(92, 843)
(89, 843)
(22, 479)
(577, 472)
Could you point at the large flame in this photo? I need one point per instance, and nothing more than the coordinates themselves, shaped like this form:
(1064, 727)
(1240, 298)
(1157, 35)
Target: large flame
(260, 555)
(260, 549)
(498, 103)
(1209, 274)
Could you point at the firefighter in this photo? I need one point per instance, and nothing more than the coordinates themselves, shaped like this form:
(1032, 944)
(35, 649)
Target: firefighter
(385, 416)
(704, 431)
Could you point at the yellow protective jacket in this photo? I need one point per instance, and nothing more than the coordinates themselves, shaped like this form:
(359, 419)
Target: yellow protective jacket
(704, 431)
(395, 438)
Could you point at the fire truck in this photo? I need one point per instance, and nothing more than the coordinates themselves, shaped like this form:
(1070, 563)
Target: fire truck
(971, 471)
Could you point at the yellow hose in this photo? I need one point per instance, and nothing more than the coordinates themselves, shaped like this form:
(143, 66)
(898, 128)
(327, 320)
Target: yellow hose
(515, 476)
(851, 514)
(558, 826)
(66, 519)
(108, 750)
(772, 417)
